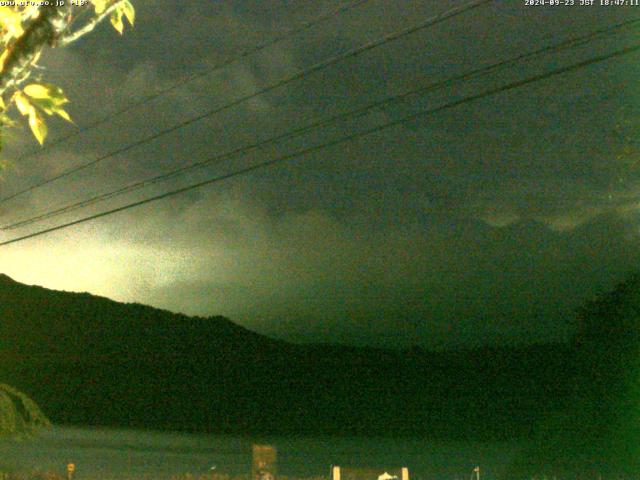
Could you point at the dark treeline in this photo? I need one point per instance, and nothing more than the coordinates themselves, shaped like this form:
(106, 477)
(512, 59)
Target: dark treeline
(91, 361)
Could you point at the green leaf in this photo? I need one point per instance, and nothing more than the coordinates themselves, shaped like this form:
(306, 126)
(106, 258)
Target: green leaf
(99, 5)
(62, 113)
(47, 105)
(36, 90)
(129, 11)
(46, 91)
(38, 127)
(11, 22)
(45, 97)
(116, 20)
(23, 104)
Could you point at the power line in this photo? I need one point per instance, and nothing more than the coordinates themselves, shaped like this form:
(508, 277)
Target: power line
(208, 71)
(298, 75)
(348, 138)
(478, 72)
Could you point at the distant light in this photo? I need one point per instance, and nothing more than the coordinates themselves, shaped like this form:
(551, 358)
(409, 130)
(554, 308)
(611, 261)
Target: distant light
(386, 476)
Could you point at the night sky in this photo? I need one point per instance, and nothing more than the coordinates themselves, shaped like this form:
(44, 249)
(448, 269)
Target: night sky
(487, 223)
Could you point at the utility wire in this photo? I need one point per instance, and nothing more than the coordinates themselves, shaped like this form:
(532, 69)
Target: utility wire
(298, 75)
(208, 71)
(348, 138)
(558, 47)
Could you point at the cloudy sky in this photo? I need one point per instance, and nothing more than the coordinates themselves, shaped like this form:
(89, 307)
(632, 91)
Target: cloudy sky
(488, 222)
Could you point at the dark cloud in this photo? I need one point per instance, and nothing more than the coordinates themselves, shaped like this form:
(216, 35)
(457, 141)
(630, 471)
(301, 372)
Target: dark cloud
(489, 222)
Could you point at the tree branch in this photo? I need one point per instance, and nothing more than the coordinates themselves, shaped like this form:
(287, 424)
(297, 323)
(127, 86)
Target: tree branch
(65, 40)
(21, 56)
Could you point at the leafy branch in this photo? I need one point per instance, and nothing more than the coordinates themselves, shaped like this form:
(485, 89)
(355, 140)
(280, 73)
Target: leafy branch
(25, 31)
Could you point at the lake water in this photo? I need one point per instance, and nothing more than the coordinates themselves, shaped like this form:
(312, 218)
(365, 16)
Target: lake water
(128, 454)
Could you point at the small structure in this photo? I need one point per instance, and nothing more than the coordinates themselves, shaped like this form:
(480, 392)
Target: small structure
(71, 468)
(263, 466)
(349, 473)
(387, 476)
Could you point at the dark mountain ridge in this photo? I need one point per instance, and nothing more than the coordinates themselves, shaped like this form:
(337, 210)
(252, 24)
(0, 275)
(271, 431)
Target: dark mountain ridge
(93, 361)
